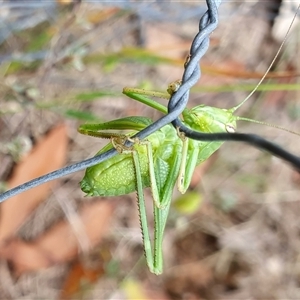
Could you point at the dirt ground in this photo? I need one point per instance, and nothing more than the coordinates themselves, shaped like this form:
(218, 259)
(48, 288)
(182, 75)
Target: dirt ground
(68, 67)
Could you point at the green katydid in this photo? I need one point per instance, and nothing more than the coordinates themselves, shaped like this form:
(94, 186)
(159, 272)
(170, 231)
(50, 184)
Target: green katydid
(166, 156)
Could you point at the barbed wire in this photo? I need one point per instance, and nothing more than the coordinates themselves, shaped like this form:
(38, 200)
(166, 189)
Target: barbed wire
(177, 103)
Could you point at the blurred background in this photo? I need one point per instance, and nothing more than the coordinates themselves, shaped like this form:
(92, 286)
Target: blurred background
(235, 233)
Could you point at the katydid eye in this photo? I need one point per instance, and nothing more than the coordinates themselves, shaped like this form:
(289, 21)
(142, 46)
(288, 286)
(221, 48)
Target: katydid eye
(229, 128)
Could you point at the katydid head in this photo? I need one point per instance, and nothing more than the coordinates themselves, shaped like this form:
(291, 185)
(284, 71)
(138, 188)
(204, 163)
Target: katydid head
(210, 119)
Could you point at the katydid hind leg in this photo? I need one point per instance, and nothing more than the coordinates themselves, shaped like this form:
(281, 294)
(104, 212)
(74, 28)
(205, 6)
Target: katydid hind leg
(155, 262)
(142, 213)
(174, 167)
(161, 214)
(153, 178)
(162, 195)
(162, 192)
(160, 220)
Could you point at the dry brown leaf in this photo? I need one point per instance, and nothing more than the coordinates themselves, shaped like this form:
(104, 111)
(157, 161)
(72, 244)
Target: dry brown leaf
(79, 273)
(59, 244)
(48, 155)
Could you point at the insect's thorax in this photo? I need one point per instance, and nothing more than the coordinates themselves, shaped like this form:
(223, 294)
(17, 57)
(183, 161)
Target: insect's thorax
(210, 119)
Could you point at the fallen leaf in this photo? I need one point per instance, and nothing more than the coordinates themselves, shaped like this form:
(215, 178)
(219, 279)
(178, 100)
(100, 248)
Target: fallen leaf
(78, 274)
(60, 243)
(48, 155)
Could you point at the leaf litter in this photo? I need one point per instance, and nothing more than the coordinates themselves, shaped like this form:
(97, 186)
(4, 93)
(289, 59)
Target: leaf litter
(236, 253)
